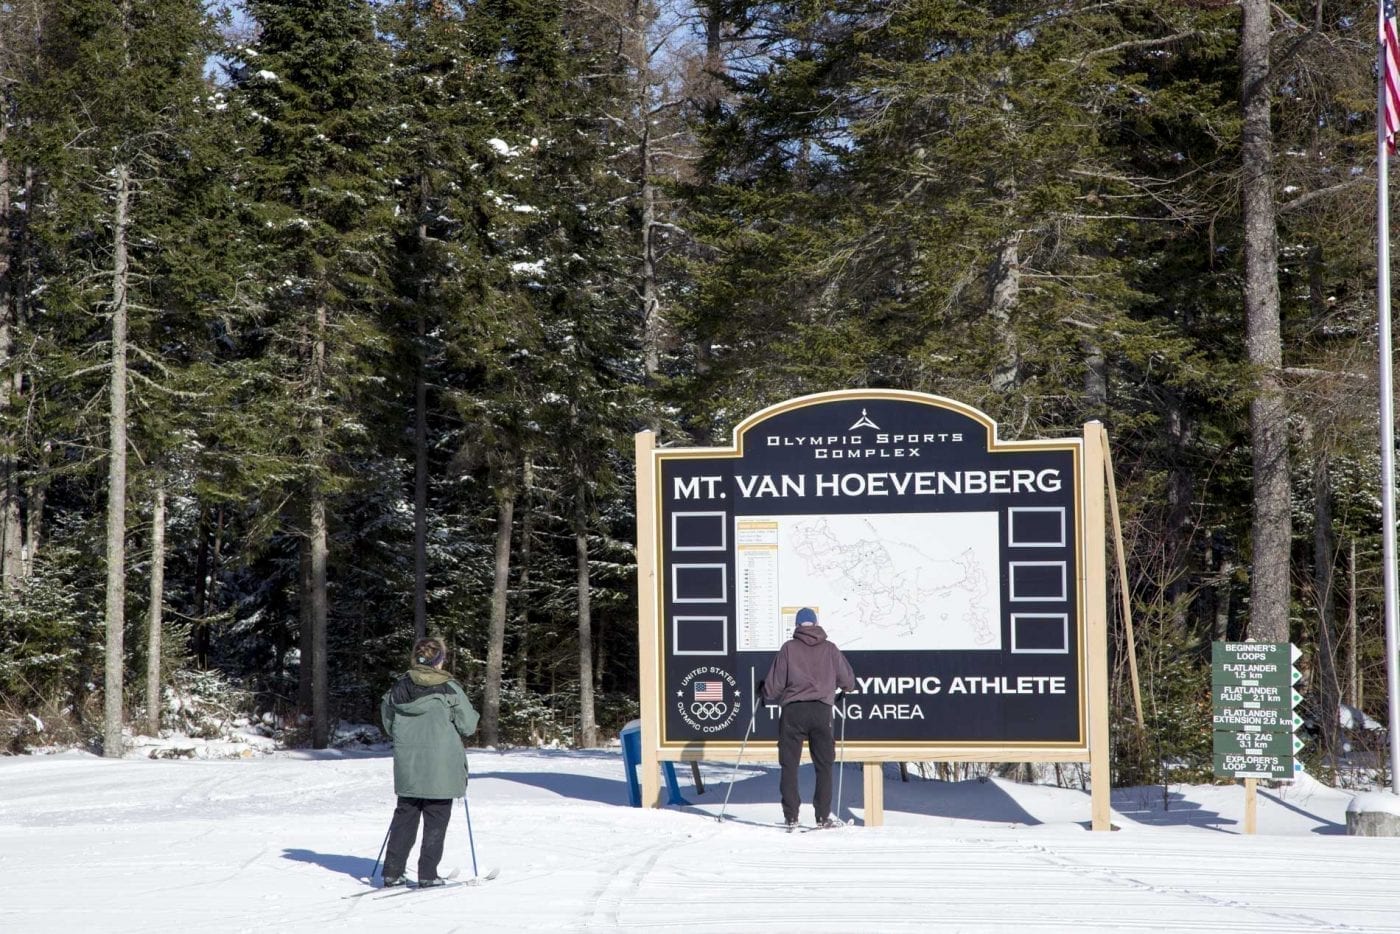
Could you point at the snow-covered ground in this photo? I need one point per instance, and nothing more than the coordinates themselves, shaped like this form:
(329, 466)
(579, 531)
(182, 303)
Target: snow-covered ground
(275, 843)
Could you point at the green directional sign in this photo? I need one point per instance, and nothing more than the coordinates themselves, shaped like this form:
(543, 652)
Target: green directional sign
(1282, 743)
(1245, 695)
(1255, 719)
(1246, 766)
(1252, 701)
(1254, 663)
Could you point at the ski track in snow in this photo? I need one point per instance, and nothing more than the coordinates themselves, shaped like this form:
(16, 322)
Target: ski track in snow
(275, 843)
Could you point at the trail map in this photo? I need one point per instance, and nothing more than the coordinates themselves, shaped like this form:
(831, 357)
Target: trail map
(880, 582)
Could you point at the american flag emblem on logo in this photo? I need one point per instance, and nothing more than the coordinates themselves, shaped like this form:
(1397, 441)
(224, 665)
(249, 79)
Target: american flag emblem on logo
(709, 691)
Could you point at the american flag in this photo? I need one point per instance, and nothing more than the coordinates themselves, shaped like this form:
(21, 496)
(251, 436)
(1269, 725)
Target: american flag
(709, 691)
(1390, 73)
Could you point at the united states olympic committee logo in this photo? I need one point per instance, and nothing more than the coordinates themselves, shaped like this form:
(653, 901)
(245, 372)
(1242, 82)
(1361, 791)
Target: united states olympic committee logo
(708, 699)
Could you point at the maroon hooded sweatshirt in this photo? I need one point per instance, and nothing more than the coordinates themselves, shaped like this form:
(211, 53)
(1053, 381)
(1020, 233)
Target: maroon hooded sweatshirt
(808, 668)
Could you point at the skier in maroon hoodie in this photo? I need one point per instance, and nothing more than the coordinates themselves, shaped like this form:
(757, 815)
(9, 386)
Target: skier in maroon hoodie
(803, 679)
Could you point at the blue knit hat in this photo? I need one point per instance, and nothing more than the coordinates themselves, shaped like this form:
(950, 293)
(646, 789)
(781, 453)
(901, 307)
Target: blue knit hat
(806, 617)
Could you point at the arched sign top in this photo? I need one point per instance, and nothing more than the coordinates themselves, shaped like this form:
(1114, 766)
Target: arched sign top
(822, 419)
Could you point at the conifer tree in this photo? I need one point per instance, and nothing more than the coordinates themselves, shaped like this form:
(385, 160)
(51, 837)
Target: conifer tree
(917, 198)
(314, 84)
(19, 61)
(119, 101)
(448, 95)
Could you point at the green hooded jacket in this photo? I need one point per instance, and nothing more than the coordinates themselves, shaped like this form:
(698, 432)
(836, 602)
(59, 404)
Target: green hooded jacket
(427, 715)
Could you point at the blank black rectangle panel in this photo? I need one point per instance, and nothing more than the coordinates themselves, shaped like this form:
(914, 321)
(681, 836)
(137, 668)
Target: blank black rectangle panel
(699, 531)
(699, 583)
(1038, 580)
(1036, 527)
(700, 635)
(1039, 633)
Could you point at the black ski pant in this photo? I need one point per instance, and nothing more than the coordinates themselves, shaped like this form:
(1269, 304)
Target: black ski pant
(809, 721)
(403, 831)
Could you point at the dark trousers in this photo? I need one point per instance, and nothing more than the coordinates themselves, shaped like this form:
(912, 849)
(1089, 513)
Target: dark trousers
(435, 812)
(809, 721)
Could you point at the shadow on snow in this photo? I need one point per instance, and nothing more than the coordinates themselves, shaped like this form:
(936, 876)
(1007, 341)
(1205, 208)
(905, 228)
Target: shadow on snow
(356, 867)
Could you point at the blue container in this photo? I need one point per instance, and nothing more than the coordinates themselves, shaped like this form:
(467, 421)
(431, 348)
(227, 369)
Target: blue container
(632, 757)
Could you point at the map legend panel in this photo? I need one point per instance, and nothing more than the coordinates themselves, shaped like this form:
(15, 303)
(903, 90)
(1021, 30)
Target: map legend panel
(756, 568)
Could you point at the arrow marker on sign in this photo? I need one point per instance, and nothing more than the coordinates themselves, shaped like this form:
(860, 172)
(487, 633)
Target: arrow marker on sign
(1297, 698)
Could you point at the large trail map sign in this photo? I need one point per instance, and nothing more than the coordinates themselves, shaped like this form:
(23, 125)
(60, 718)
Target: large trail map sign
(945, 563)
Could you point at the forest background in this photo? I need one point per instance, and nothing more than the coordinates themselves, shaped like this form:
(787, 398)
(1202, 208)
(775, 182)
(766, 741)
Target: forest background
(325, 324)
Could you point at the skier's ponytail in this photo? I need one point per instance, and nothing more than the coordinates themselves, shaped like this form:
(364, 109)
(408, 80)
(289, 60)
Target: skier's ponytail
(429, 651)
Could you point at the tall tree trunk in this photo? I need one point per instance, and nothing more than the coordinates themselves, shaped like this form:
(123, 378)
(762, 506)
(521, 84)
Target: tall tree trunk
(211, 544)
(420, 485)
(1005, 293)
(154, 619)
(600, 654)
(11, 554)
(1095, 377)
(1272, 531)
(199, 636)
(525, 562)
(116, 473)
(1325, 554)
(420, 427)
(1353, 672)
(27, 497)
(304, 643)
(21, 503)
(320, 673)
(1324, 577)
(714, 14)
(500, 591)
(1176, 553)
(709, 98)
(35, 495)
(588, 723)
(1224, 570)
(653, 323)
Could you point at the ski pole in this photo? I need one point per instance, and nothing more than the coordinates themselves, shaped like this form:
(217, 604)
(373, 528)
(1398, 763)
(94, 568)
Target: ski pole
(752, 716)
(841, 768)
(471, 840)
(466, 780)
(381, 852)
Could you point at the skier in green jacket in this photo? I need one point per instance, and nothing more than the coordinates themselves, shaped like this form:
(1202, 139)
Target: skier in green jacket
(427, 715)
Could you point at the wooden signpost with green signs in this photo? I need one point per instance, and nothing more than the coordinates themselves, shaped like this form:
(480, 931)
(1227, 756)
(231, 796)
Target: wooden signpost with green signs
(1252, 700)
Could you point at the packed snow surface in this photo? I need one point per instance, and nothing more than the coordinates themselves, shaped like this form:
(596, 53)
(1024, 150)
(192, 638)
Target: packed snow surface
(276, 842)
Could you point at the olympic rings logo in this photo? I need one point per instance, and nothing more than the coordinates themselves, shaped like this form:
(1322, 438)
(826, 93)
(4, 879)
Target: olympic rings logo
(709, 711)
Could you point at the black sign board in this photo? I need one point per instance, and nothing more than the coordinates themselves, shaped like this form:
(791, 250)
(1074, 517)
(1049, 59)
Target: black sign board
(944, 563)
